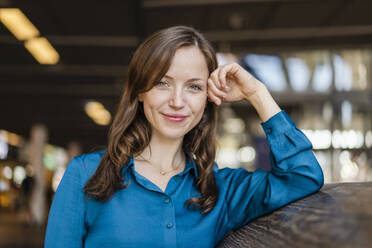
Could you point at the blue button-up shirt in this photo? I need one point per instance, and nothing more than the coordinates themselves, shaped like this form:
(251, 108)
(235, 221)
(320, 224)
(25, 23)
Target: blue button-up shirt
(142, 215)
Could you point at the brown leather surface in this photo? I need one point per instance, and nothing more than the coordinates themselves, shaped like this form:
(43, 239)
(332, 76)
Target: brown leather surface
(339, 215)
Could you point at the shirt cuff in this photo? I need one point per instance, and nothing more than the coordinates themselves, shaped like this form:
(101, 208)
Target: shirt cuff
(284, 138)
(277, 124)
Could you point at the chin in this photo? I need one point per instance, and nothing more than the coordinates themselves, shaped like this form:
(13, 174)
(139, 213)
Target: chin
(174, 136)
(172, 133)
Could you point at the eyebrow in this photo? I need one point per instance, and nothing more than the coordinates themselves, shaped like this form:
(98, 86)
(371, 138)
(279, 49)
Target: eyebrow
(190, 80)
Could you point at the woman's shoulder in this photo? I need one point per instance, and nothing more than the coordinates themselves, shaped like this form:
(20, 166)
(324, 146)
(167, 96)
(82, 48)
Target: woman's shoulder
(88, 163)
(92, 157)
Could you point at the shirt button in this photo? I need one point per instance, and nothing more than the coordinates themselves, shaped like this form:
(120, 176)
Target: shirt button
(169, 225)
(269, 130)
(167, 200)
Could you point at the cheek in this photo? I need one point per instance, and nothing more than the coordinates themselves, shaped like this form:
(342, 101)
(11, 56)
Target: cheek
(153, 105)
(148, 107)
(198, 105)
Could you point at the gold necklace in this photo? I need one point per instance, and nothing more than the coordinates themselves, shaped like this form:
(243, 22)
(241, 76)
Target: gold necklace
(162, 172)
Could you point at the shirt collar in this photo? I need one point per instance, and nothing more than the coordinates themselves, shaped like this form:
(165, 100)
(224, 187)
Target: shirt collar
(190, 165)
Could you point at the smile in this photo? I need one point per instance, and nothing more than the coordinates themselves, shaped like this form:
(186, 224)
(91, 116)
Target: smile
(174, 118)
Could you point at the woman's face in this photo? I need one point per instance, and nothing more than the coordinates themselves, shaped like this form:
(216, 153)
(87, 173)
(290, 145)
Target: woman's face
(176, 104)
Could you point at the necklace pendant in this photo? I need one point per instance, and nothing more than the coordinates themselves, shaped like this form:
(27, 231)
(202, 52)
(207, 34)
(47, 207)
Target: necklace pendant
(162, 172)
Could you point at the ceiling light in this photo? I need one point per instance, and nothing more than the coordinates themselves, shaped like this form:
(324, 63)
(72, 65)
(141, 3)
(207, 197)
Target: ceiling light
(18, 24)
(42, 50)
(97, 112)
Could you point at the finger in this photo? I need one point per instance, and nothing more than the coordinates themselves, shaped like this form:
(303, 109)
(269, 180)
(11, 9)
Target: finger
(214, 77)
(222, 77)
(211, 95)
(229, 71)
(214, 98)
(214, 89)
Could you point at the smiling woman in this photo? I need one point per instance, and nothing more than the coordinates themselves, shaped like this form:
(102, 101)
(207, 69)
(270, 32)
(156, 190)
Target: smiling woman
(177, 98)
(157, 184)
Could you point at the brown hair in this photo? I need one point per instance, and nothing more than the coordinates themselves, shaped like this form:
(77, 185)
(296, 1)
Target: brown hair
(130, 132)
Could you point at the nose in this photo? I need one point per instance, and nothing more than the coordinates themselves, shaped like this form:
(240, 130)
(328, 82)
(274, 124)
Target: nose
(177, 99)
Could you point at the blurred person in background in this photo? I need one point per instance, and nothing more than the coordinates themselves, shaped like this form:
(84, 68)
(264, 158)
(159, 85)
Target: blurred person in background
(26, 190)
(157, 183)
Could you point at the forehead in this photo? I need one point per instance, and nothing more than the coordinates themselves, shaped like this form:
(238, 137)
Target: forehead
(188, 62)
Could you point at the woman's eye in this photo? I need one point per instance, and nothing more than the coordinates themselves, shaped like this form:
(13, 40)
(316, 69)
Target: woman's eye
(162, 83)
(195, 87)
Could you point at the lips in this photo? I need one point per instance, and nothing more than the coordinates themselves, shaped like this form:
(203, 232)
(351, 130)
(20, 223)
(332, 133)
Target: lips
(175, 117)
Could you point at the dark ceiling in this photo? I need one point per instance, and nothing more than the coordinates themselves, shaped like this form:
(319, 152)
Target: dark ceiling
(95, 40)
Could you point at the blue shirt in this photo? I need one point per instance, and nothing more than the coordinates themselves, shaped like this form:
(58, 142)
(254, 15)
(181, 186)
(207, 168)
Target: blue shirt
(142, 215)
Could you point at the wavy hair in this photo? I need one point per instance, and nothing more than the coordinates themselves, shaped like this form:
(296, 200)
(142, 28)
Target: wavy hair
(130, 132)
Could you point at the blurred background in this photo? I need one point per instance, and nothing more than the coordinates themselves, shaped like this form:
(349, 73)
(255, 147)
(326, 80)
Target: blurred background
(63, 66)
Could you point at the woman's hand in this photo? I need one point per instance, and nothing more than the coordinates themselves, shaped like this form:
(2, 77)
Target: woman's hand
(231, 83)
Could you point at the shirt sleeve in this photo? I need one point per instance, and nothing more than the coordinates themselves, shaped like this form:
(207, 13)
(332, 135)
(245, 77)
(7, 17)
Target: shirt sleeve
(295, 174)
(66, 225)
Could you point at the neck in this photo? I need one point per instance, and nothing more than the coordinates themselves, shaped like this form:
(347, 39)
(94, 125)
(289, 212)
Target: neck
(166, 154)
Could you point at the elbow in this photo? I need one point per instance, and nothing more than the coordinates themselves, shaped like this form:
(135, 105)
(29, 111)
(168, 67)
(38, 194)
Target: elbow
(316, 172)
(318, 176)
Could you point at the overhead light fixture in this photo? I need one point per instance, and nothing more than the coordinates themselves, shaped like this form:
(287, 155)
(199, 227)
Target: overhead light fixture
(18, 24)
(97, 112)
(11, 138)
(42, 50)
(23, 29)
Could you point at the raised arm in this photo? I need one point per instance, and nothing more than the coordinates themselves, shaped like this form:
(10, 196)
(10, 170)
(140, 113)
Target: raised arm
(295, 171)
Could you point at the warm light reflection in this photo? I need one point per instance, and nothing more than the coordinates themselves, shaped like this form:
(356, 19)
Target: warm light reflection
(321, 139)
(7, 172)
(18, 24)
(14, 139)
(246, 154)
(10, 138)
(30, 171)
(369, 139)
(42, 50)
(19, 174)
(4, 186)
(234, 125)
(3, 149)
(97, 112)
(347, 139)
(349, 169)
(227, 157)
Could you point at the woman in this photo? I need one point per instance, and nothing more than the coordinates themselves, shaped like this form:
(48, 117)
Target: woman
(156, 184)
